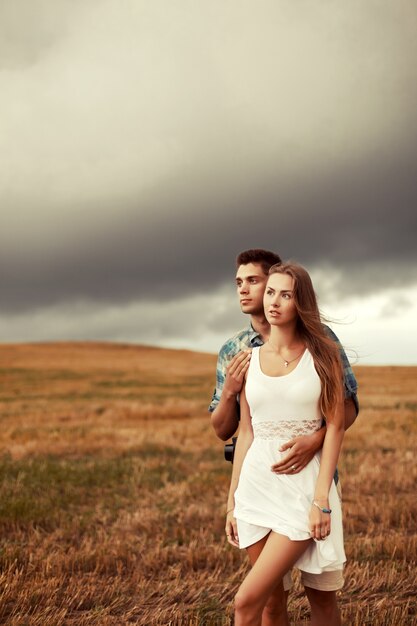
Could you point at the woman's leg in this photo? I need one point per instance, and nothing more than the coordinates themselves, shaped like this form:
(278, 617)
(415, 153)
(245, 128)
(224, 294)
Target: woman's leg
(275, 611)
(278, 555)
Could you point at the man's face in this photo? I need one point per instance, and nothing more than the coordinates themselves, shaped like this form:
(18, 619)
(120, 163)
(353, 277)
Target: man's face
(250, 284)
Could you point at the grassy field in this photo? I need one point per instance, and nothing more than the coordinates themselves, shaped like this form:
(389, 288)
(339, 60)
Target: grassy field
(113, 489)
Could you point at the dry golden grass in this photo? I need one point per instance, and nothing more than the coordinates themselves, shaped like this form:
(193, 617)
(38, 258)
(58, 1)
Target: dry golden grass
(112, 492)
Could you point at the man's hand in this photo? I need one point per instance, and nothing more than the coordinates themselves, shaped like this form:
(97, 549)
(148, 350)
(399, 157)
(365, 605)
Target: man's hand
(225, 417)
(301, 451)
(235, 373)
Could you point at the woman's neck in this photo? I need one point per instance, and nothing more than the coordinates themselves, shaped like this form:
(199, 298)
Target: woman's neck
(284, 337)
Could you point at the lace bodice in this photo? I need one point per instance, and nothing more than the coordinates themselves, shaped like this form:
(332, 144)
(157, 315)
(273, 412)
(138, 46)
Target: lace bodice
(285, 428)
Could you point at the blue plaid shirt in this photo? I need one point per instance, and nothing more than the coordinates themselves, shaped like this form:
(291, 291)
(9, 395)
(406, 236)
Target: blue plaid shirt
(248, 338)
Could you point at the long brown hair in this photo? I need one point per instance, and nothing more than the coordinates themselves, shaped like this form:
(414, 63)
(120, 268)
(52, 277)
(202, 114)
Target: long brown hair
(324, 350)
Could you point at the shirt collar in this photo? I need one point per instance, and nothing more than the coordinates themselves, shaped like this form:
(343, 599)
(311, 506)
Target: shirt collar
(254, 337)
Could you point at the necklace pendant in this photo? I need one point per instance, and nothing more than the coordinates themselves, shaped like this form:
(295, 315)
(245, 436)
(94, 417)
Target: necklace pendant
(285, 363)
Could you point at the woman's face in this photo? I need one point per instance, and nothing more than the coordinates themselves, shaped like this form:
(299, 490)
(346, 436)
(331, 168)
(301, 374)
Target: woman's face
(279, 304)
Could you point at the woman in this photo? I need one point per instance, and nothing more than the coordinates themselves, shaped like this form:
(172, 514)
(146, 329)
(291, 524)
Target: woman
(293, 381)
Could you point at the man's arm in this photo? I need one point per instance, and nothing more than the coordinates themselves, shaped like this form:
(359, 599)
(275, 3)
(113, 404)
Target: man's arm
(224, 418)
(351, 412)
(350, 384)
(302, 449)
(224, 406)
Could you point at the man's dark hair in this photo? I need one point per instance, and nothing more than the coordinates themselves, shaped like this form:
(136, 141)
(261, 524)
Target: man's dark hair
(264, 258)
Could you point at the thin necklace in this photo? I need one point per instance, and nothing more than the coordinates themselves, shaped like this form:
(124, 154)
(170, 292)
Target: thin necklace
(286, 361)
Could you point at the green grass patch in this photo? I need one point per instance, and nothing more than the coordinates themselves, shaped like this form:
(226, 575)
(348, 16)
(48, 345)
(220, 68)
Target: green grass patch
(44, 491)
(48, 491)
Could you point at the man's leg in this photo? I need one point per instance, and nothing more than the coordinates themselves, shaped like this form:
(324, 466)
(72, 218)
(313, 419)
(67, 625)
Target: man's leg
(275, 611)
(321, 593)
(276, 558)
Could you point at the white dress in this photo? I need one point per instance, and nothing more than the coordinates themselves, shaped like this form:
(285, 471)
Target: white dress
(281, 408)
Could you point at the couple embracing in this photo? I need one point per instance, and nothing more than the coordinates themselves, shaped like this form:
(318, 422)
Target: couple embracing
(286, 383)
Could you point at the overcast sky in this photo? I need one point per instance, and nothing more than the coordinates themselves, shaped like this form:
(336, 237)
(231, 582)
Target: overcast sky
(144, 144)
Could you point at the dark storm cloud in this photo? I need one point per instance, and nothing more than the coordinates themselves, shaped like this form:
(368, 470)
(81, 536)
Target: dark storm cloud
(359, 223)
(146, 144)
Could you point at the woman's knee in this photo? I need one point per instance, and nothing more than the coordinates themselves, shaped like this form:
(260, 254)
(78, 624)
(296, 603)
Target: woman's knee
(242, 601)
(245, 601)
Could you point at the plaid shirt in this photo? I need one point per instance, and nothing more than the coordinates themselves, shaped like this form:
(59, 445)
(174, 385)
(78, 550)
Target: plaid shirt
(248, 338)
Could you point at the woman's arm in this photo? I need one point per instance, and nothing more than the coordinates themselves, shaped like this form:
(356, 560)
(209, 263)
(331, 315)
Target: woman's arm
(242, 446)
(320, 520)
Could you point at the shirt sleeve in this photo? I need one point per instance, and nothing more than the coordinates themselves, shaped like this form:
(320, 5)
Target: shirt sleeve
(220, 376)
(351, 386)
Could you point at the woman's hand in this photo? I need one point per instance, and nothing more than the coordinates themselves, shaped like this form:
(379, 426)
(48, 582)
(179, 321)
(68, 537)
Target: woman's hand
(320, 523)
(231, 529)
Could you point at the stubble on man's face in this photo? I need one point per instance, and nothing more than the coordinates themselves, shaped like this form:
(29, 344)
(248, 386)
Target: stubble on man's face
(250, 285)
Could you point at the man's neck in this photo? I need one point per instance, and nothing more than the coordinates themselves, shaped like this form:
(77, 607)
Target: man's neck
(261, 326)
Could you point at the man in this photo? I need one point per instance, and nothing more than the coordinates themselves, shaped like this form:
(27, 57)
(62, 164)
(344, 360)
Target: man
(232, 364)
